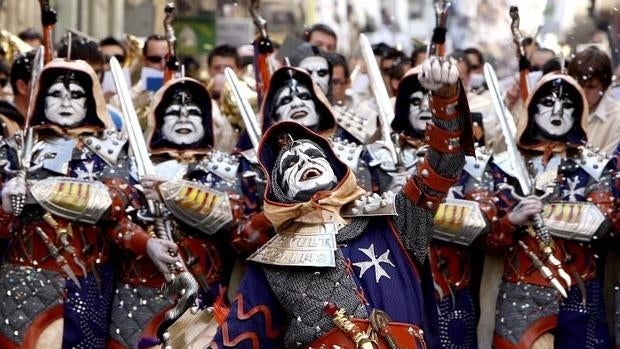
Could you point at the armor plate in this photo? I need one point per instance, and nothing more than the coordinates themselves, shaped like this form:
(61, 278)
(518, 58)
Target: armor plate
(361, 123)
(108, 146)
(371, 205)
(223, 165)
(73, 199)
(54, 154)
(593, 162)
(581, 221)
(201, 207)
(303, 246)
(459, 221)
(348, 152)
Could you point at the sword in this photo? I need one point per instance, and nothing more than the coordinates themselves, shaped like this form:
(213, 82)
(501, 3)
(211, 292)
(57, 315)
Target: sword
(386, 111)
(179, 281)
(246, 111)
(24, 140)
(524, 63)
(439, 33)
(520, 171)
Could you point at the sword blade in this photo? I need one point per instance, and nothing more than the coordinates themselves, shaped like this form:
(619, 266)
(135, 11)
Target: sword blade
(131, 122)
(509, 130)
(386, 111)
(246, 111)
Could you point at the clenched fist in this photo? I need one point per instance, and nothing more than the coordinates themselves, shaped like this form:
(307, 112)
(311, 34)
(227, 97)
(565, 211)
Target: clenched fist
(15, 186)
(525, 210)
(438, 72)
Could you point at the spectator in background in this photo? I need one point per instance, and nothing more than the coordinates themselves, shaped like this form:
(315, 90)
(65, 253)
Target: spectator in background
(154, 52)
(592, 69)
(86, 50)
(475, 60)
(12, 114)
(418, 55)
(539, 57)
(5, 90)
(322, 36)
(221, 57)
(390, 59)
(341, 79)
(32, 37)
(110, 47)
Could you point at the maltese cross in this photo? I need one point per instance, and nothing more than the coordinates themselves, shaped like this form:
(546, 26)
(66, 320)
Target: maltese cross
(573, 190)
(374, 262)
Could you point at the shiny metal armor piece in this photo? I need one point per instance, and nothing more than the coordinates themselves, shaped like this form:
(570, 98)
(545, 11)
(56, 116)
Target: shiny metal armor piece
(459, 222)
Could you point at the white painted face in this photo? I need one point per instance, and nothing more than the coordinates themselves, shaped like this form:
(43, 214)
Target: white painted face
(304, 170)
(65, 106)
(318, 68)
(296, 106)
(419, 111)
(183, 123)
(554, 115)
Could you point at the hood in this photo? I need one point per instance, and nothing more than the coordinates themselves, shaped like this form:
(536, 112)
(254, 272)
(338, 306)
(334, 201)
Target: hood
(97, 118)
(155, 142)
(323, 205)
(327, 123)
(407, 86)
(527, 130)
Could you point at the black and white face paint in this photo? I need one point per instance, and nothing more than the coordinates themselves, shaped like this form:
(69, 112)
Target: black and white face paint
(65, 104)
(419, 111)
(555, 114)
(295, 103)
(318, 68)
(183, 122)
(303, 170)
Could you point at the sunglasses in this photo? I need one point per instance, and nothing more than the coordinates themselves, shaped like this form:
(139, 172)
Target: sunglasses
(119, 58)
(3, 82)
(155, 59)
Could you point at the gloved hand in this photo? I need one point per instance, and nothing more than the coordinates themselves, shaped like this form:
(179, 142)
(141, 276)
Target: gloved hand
(159, 251)
(438, 72)
(150, 186)
(525, 210)
(15, 186)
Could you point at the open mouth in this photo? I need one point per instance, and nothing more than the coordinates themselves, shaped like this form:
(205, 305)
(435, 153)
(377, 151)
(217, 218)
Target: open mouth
(310, 173)
(299, 114)
(65, 113)
(183, 131)
(556, 122)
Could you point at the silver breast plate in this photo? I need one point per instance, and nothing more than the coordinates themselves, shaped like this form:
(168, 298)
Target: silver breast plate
(459, 221)
(582, 221)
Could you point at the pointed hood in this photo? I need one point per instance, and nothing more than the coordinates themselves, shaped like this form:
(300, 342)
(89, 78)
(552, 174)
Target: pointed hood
(280, 79)
(97, 118)
(162, 99)
(528, 133)
(323, 205)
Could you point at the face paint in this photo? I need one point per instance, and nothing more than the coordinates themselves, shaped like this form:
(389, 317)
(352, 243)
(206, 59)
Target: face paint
(419, 111)
(304, 170)
(65, 104)
(318, 68)
(554, 114)
(296, 104)
(183, 122)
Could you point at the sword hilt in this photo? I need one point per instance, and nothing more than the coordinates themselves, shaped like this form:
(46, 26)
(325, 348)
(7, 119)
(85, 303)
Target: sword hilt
(18, 200)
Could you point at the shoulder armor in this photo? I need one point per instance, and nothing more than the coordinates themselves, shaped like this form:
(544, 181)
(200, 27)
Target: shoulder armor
(170, 170)
(76, 200)
(381, 157)
(250, 155)
(108, 146)
(197, 205)
(592, 161)
(54, 154)
(361, 123)
(348, 152)
(477, 164)
(459, 221)
(222, 164)
(371, 205)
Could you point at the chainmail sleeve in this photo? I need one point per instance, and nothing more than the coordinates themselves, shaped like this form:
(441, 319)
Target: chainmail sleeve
(417, 202)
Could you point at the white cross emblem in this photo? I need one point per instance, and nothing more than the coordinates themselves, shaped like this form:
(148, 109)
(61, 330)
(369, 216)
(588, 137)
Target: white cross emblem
(374, 262)
(572, 190)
